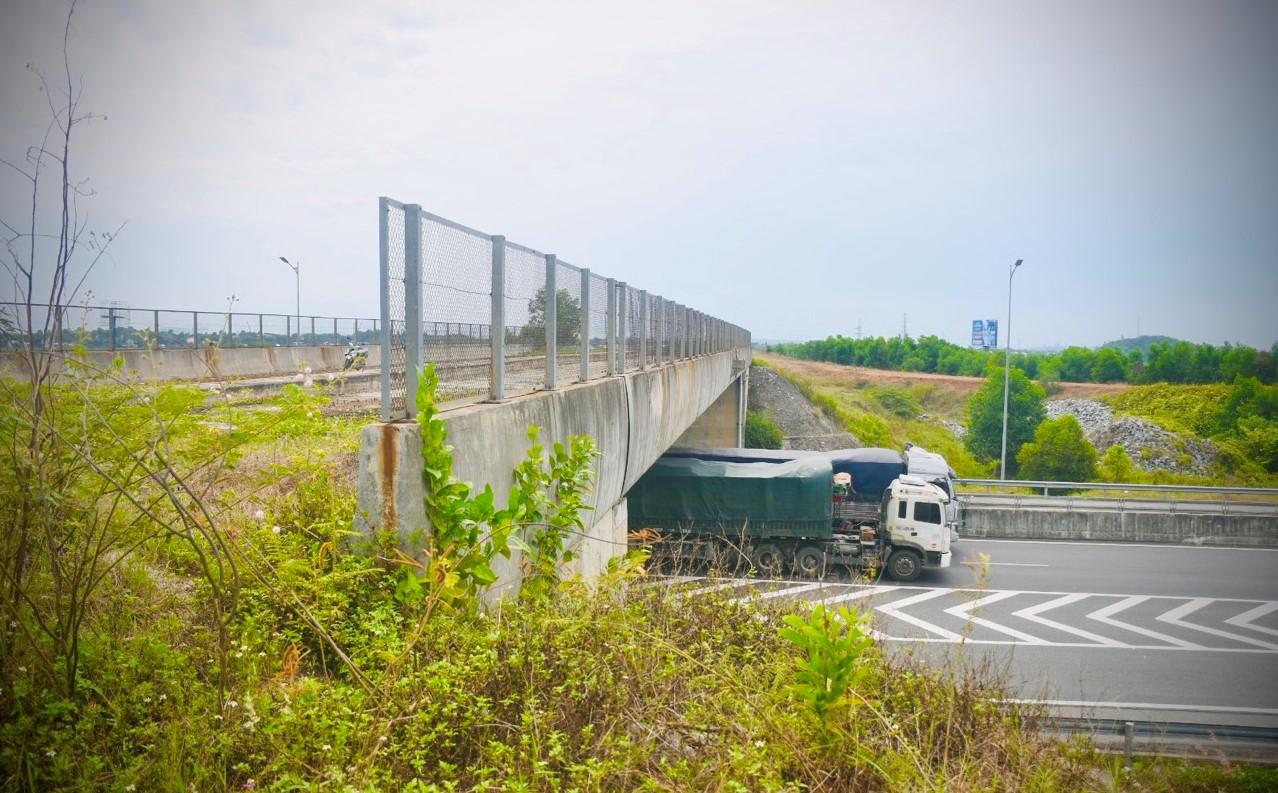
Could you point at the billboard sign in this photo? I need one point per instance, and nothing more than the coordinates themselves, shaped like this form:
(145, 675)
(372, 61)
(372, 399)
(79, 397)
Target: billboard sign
(978, 333)
(991, 333)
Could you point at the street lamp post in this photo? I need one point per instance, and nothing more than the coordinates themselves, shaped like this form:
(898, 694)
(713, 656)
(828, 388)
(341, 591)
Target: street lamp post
(297, 271)
(1007, 369)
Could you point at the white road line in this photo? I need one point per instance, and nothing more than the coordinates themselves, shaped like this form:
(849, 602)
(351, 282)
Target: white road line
(855, 594)
(1071, 703)
(963, 612)
(1176, 617)
(893, 610)
(705, 590)
(1245, 619)
(1105, 615)
(1032, 614)
(1121, 544)
(1015, 564)
(794, 590)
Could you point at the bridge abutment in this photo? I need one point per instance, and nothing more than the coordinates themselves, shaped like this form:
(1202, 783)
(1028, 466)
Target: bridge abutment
(633, 419)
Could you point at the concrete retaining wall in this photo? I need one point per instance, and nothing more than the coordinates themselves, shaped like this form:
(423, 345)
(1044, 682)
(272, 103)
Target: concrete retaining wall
(633, 419)
(213, 363)
(1251, 531)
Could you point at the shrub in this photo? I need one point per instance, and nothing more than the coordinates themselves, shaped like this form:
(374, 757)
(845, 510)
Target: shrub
(761, 432)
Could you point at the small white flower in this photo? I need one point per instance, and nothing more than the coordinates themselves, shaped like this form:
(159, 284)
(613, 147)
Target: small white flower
(239, 654)
(230, 703)
(248, 725)
(163, 697)
(276, 529)
(326, 748)
(217, 717)
(262, 654)
(22, 669)
(243, 646)
(130, 788)
(260, 514)
(146, 700)
(759, 744)
(51, 753)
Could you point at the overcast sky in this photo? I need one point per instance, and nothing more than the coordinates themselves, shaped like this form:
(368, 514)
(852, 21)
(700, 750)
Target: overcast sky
(798, 168)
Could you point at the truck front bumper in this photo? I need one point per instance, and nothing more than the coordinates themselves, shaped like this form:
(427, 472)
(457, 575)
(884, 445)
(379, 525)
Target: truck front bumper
(939, 559)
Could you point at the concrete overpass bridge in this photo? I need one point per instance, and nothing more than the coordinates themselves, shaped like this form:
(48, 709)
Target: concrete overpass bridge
(634, 371)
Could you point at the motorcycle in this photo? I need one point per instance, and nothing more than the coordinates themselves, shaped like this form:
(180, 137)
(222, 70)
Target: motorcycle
(355, 358)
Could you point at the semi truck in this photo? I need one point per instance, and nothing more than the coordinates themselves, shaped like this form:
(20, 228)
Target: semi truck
(871, 469)
(781, 515)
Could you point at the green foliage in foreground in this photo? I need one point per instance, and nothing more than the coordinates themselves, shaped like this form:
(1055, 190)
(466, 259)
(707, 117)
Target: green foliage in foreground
(330, 672)
(761, 432)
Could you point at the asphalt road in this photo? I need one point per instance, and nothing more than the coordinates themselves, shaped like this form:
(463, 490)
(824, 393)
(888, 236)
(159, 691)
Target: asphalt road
(1095, 630)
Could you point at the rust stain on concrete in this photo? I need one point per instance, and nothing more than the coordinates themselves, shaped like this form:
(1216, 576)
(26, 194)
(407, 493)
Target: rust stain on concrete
(390, 439)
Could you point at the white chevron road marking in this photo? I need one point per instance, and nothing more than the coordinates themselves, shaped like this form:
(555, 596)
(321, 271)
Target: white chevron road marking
(1176, 617)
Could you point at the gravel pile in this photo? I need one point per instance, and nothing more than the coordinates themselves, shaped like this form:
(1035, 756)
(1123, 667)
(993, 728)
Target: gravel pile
(1150, 446)
(803, 425)
(1094, 416)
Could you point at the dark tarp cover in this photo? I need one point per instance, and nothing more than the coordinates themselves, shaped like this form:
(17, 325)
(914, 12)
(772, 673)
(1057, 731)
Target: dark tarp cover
(872, 469)
(685, 489)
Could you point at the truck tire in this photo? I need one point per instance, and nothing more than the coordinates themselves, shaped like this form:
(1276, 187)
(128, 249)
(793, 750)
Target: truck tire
(809, 562)
(769, 560)
(904, 565)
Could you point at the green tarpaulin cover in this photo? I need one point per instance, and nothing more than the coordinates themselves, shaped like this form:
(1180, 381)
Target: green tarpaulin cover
(684, 489)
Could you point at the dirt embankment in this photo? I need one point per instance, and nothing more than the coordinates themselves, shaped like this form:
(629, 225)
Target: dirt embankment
(803, 425)
(818, 370)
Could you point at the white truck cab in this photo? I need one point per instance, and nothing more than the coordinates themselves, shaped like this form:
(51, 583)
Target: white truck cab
(914, 528)
(932, 467)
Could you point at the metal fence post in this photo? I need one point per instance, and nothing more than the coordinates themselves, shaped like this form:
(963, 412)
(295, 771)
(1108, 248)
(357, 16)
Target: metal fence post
(195, 329)
(552, 322)
(660, 339)
(413, 360)
(383, 237)
(643, 329)
(261, 332)
(497, 381)
(156, 320)
(611, 328)
(623, 317)
(111, 326)
(585, 324)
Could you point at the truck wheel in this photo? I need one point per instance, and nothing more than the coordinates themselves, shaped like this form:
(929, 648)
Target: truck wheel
(768, 560)
(809, 562)
(904, 565)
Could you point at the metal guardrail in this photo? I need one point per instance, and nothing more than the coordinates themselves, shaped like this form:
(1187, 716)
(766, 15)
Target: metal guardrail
(563, 324)
(1120, 497)
(119, 327)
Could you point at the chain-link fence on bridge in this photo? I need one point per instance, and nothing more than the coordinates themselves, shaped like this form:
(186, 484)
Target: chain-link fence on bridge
(559, 324)
(121, 327)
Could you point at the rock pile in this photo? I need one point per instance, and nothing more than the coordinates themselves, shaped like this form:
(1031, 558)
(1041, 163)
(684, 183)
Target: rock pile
(1150, 446)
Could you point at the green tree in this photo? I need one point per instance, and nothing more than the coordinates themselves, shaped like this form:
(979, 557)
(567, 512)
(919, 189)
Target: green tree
(1060, 452)
(567, 316)
(1025, 411)
(1117, 465)
(1109, 366)
(761, 432)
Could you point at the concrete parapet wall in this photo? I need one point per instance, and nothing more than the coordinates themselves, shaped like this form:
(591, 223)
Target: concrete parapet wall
(212, 363)
(633, 419)
(1251, 531)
